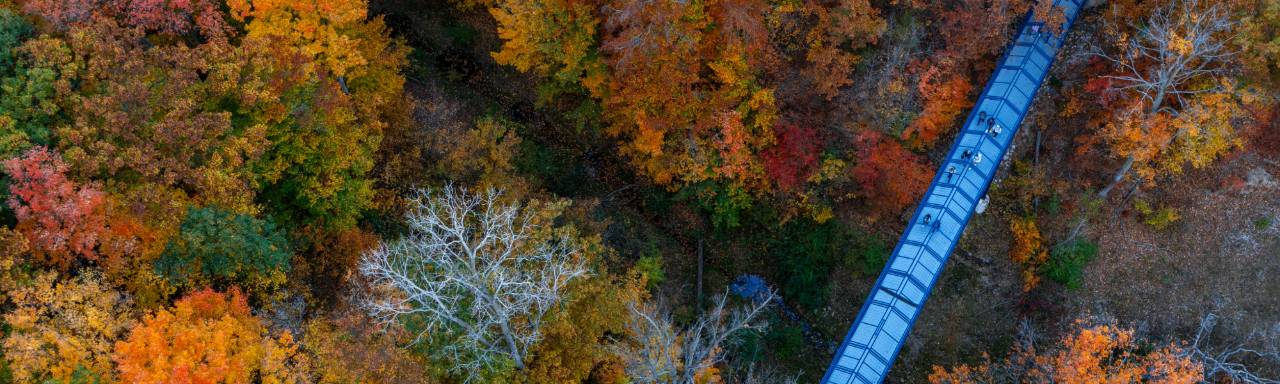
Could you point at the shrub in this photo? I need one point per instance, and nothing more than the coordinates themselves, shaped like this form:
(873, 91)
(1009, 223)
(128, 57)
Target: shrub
(1067, 261)
(868, 255)
(803, 251)
(1158, 219)
(650, 266)
(786, 343)
(1262, 223)
(727, 204)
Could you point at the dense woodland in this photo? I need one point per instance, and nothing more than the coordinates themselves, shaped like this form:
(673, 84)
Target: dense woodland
(623, 191)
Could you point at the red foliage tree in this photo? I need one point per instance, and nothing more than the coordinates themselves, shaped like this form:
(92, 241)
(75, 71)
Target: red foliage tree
(61, 13)
(63, 221)
(176, 17)
(795, 156)
(974, 29)
(891, 177)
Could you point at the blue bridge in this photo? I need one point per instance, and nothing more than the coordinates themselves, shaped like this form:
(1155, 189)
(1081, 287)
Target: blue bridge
(960, 184)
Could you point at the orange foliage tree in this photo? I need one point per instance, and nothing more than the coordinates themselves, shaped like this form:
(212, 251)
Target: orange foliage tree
(1091, 353)
(1165, 143)
(849, 25)
(207, 337)
(966, 30)
(690, 88)
(687, 104)
(681, 83)
(945, 98)
(971, 33)
(348, 348)
(1172, 68)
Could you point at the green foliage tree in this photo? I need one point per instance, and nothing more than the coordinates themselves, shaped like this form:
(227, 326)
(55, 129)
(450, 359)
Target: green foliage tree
(1259, 40)
(26, 108)
(221, 248)
(13, 30)
(327, 81)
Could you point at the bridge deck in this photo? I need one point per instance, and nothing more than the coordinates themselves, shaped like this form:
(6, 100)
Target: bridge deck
(910, 273)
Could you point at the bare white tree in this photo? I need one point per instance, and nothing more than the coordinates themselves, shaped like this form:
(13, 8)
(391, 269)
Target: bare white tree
(658, 352)
(1178, 44)
(1227, 362)
(472, 267)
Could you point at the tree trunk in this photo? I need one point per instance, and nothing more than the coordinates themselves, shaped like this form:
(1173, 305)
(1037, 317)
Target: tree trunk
(1115, 180)
(511, 344)
(1128, 162)
(699, 276)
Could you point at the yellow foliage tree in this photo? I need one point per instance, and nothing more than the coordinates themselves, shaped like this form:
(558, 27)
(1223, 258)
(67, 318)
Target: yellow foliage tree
(849, 25)
(13, 250)
(1172, 72)
(483, 156)
(316, 28)
(553, 39)
(1028, 250)
(347, 348)
(574, 339)
(1203, 132)
(64, 328)
(1259, 40)
(323, 81)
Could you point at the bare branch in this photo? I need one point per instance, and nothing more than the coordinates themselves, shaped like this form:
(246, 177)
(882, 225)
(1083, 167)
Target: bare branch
(1177, 44)
(1226, 362)
(470, 269)
(658, 353)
